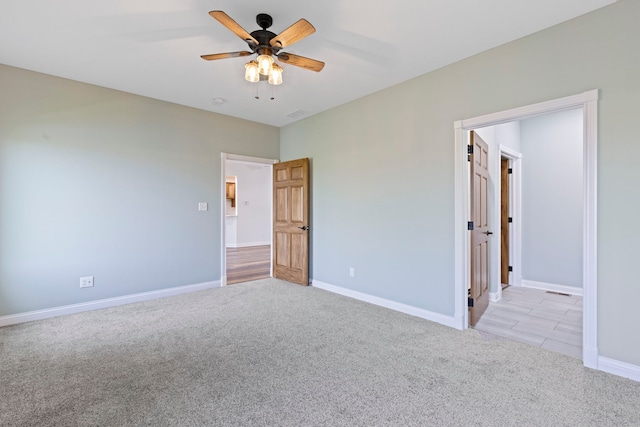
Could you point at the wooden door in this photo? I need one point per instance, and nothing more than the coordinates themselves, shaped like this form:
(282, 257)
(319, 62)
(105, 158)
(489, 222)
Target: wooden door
(504, 222)
(291, 221)
(479, 281)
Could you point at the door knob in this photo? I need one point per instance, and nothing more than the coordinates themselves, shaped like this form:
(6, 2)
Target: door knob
(488, 233)
(305, 228)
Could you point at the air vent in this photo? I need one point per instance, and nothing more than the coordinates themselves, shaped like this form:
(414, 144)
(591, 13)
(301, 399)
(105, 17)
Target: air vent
(559, 293)
(297, 114)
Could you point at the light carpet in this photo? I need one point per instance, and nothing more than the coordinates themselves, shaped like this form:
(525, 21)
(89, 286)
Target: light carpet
(270, 353)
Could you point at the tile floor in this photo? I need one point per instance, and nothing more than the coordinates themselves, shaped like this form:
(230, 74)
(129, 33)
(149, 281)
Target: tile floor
(536, 317)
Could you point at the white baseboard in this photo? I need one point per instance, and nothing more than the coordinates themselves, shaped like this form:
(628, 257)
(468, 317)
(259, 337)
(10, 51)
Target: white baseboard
(393, 305)
(553, 287)
(616, 367)
(495, 296)
(246, 245)
(30, 316)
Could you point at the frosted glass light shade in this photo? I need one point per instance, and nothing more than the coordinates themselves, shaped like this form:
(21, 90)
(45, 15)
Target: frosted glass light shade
(264, 64)
(251, 72)
(275, 76)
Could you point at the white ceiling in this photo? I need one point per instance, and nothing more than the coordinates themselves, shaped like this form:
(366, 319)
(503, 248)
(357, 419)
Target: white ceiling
(153, 47)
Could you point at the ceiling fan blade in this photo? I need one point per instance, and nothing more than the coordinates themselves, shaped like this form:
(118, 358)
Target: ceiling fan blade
(294, 33)
(232, 25)
(301, 61)
(224, 55)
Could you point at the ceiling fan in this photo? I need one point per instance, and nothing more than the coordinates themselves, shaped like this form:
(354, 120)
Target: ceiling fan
(266, 45)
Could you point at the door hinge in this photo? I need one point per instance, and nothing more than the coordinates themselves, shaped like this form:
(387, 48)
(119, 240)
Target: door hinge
(469, 152)
(470, 225)
(510, 170)
(510, 219)
(510, 268)
(470, 302)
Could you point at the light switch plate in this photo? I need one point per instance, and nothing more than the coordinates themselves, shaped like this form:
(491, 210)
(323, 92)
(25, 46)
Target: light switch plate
(203, 206)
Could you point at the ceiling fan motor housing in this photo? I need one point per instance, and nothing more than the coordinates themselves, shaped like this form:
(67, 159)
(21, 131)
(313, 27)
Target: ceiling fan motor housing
(263, 36)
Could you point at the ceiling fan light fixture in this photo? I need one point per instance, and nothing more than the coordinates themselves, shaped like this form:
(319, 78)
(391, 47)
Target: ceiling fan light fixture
(251, 73)
(264, 64)
(266, 45)
(275, 76)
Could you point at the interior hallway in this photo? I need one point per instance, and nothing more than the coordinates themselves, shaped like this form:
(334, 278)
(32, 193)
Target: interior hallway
(548, 320)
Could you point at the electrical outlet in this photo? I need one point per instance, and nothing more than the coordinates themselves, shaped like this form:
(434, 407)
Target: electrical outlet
(352, 272)
(86, 282)
(203, 206)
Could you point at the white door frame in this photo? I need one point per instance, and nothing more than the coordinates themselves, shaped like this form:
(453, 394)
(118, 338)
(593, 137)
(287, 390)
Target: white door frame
(588, 101)
(223, 202)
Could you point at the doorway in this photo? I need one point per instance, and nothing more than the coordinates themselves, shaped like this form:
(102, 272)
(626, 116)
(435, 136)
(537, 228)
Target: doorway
(542, 307)
(247, 210)
(588, 103)
(505, 220)
(510, 205)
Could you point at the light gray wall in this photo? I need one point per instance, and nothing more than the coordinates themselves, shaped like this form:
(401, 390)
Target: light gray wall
(253, 202)
(508, 134)
(552, 202)
(488, 135)
(383, 166)
(103, 183)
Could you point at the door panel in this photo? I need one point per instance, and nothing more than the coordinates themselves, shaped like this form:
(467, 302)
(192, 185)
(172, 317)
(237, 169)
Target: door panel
(280, 204)
(297, 247)
(297, 204)
(281, 249)
(291, 221)
(297, 172)
(281, 175)
(479, 281)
